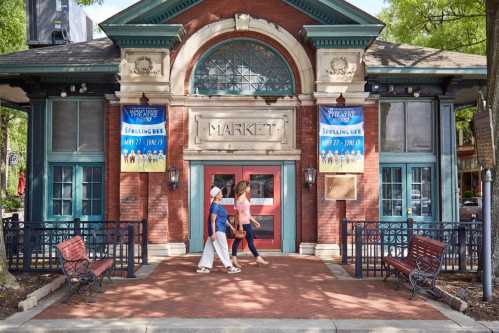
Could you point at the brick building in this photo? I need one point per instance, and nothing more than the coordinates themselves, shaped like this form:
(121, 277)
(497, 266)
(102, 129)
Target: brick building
(242, 83)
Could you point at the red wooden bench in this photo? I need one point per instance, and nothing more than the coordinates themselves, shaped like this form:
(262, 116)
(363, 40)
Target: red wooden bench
(79, 269)
(421, 266)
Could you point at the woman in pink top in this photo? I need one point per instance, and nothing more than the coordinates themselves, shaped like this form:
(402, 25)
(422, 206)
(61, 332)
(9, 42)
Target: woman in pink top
(244, 219)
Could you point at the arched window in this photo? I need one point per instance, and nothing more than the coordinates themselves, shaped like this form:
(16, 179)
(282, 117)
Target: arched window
(243, 67)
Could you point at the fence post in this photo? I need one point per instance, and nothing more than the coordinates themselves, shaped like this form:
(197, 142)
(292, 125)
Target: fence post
(461, 242)
(131, 252)
(359, 230)
(26, 247)
(145, 242)
(77, 227)
(410, 229)
(344, 241)
(15, 240)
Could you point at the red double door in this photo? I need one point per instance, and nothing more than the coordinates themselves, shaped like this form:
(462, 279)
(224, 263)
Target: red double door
(265, 198)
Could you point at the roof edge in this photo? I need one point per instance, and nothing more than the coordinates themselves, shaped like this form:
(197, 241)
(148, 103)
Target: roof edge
(481, 71)
(13, 69)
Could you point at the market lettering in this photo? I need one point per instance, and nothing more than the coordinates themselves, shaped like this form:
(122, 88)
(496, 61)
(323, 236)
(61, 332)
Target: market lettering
(228, 129)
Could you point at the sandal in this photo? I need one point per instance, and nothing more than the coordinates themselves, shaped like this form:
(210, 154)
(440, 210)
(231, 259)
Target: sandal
(202, 270)
(233, 270)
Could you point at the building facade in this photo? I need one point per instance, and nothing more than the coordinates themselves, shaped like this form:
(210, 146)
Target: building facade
(243, 84)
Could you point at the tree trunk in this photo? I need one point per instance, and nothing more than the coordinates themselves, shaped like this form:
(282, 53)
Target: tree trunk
(493, 102)
(6, 279)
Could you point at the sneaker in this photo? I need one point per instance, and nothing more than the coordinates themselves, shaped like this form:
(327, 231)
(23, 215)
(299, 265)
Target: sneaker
(202, 270)
(233, 270)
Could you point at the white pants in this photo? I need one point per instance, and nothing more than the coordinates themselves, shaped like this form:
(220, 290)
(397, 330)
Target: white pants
(219, 245)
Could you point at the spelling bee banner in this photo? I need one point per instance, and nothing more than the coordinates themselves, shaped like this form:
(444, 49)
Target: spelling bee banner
(341, 139)
(143, 139)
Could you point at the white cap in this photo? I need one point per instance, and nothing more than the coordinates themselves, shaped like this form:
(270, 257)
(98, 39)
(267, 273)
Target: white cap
(214, 191)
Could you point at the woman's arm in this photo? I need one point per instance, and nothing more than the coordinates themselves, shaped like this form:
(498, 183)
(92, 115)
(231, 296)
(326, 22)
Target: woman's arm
(213, 225)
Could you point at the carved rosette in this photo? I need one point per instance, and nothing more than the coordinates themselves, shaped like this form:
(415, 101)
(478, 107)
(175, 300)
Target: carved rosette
(341, 69)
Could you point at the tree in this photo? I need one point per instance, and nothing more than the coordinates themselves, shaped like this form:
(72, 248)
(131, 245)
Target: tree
(493, 102)
(12, 38)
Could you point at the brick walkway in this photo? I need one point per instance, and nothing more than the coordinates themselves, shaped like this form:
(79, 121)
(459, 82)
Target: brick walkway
(293, 288)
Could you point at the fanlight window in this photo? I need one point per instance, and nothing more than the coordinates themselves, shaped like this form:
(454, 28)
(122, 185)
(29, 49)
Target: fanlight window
(243, 67)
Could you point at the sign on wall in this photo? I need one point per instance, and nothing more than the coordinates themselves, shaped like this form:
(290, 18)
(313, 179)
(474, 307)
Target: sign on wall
(341, 187)
(341, 139)
(143, 138)
(484, 139)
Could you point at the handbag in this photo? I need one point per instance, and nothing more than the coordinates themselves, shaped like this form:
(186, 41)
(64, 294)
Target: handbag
(239, 233)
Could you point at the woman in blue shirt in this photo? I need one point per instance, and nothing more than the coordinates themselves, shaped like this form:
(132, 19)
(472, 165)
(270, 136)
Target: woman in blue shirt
(217, 240)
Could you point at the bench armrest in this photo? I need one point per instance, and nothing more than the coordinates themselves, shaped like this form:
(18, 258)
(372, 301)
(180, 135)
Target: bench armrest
(76, 267)
(426, 265)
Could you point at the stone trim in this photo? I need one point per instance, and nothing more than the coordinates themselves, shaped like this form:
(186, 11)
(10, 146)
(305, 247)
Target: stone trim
(210, 31)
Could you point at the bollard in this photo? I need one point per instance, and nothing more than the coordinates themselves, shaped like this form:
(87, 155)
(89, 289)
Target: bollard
(487, 236)
(461, 242)
(145, 242)
(131, 252)
(359, 230)
(344, 241)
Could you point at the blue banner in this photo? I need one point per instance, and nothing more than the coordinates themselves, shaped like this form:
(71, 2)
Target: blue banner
(341, 139)
(143, 138)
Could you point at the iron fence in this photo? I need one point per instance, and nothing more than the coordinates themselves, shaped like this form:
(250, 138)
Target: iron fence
(366, 243)
(30, 245)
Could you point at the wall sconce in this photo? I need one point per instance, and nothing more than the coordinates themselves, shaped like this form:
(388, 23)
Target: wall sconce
(310, 177)
(173, 177)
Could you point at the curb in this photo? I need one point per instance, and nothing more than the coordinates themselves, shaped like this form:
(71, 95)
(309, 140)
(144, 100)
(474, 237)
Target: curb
(175, 325)
(453, 301)
(36, 296)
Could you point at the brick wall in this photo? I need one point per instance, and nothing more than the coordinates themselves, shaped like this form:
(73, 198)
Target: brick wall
(137, 196)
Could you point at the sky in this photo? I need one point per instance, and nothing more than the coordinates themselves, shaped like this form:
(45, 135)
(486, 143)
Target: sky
(99, 13)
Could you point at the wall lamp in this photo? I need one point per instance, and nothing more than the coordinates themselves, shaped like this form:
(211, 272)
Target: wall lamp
(310, 177)
(173, 177)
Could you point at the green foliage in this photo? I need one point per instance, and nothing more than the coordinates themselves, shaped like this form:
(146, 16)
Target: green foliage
(89, 2)
(468, 194)
(11, 203)
(457, 25)
(464, 118)
(12, 26)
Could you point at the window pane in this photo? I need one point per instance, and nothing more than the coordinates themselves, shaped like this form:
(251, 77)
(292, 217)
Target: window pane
(91, 128)
(262, 190)
(57, 207)
(96, 207)
(67, 191)
(86, 209)
(97, 175)
(67, 174)
(64, 126)
(419, 127)
(67, 208)
(266, 231)
(86, 191)
(57, 174)
(392, 127)
(227, 183)
(56, 190)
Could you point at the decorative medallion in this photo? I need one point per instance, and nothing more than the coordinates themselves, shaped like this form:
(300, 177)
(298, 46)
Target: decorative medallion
(339, 66)
(143, 66)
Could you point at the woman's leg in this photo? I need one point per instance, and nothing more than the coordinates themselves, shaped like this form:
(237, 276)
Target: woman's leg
(250, 238)
(235, 246)
(208, 255)
(222, 248)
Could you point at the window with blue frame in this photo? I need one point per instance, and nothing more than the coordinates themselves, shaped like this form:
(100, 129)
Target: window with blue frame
(408, 160)
(243, 67)
(75, 159)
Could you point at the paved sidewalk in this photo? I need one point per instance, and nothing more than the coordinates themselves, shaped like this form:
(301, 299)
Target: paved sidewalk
(296, 294)
(292, 288)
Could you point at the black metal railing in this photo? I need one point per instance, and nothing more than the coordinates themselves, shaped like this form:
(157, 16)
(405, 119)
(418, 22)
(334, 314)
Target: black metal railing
(30, 246)
(366, 243)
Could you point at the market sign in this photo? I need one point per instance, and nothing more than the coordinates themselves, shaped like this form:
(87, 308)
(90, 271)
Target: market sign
(484, 139)
(341, 139)
(143, 138)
